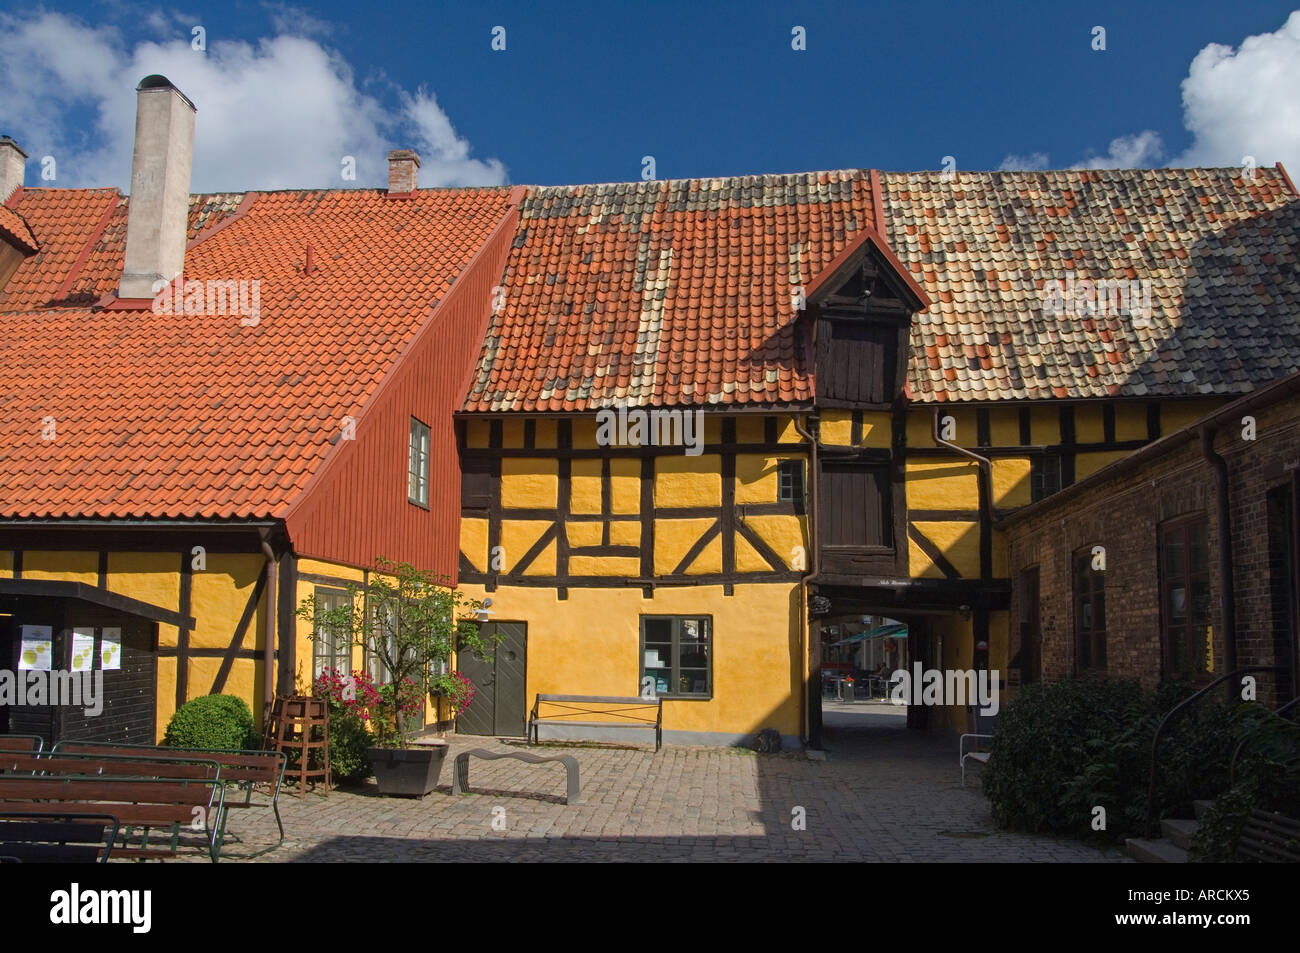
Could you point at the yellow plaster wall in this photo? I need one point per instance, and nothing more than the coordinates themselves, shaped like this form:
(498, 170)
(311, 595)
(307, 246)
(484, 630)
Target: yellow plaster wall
(1130, 421)
(477, 434)
(756, 478)
(584, 486)
(1011, 482)
(518, 536)
(474, 542)
(674, 539)
(6, 563)
(958, 542)
(1176, 414)
(1089, 424)
(1086, 463)
(942, 485)
(688, 481)
(62, 566)
(784, 534)
(1044, 425)
(529, 482)
(589, 644)
(1004, 427)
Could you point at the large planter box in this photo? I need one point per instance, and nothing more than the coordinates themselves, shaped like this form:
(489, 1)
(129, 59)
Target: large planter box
(407, 772)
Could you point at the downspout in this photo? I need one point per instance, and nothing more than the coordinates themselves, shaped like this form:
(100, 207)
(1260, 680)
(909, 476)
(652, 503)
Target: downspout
(1227, 602)
(985, 504)
(814, 571)
(985, 473)
(268, 648)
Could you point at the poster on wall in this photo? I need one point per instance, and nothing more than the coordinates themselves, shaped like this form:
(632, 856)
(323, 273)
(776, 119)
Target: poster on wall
(37, 653)
(110, 649)
(83, 649)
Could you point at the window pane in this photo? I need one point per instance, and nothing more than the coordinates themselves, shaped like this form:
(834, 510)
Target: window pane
(1177, 602)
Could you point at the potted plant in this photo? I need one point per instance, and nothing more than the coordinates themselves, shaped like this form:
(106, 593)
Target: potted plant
(408, 621)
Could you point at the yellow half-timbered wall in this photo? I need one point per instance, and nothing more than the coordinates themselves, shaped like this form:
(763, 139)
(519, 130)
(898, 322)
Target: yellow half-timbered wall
(580, 540)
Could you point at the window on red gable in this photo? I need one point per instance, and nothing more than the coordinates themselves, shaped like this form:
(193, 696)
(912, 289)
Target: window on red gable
(417, 487)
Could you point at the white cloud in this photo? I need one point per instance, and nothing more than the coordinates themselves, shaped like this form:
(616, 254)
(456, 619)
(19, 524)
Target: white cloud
(1236, 103)
(1245, 102)
(280, 113)
(1127, 152)
(1034, 162)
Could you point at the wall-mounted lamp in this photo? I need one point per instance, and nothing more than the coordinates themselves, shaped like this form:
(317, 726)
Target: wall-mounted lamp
(483, 614)
(964, 613)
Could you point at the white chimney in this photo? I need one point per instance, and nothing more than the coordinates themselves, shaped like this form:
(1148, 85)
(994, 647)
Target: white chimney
(403, 172)
(158, 214)
(12, 162)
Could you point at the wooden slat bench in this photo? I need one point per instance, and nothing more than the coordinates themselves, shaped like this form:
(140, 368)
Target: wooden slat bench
(244, 767)
(460, 773)
(619, 711)
(27, 743)
(79, 765)
(143, 807)
(56, 838)
(1270, 838)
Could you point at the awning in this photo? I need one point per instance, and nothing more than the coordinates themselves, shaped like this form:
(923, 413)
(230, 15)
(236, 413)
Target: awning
(80, 591)
(895, 630)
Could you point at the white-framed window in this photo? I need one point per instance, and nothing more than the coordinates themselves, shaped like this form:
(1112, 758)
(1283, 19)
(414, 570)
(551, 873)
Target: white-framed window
(330, 647)
(417, 489)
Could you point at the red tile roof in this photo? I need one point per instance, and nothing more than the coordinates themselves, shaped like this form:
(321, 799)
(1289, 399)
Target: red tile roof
(199, 415)
(675, 292)
(679, 292)
(15, 231)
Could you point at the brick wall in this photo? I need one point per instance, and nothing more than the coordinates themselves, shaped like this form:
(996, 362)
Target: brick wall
(1124, 515)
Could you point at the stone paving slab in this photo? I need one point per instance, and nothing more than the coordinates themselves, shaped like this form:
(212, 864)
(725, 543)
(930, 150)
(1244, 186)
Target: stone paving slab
(883, 794)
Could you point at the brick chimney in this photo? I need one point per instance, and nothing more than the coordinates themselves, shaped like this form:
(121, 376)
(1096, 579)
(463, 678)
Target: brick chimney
(403, 172)
(158, 214)
(12, 162)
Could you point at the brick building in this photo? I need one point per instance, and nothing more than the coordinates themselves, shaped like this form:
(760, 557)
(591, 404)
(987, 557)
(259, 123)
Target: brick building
(1127, 571)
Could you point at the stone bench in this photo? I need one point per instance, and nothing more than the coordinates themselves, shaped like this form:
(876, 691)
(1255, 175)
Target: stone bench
(460, 768)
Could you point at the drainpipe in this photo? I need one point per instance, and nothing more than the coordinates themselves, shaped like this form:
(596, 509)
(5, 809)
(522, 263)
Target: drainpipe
(1227, 602)
(814, 571)
(986, 496)
(268, 649)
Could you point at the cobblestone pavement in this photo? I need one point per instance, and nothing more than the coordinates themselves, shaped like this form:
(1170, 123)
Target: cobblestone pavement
(881, 794)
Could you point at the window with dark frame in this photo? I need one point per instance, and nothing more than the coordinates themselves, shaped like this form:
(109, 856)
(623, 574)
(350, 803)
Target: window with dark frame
(856, 506)
(677, 652)
(1044, 476)
(1185, 596)
(789, 477)
(1089, 613)
(417, 490)
(331, 647)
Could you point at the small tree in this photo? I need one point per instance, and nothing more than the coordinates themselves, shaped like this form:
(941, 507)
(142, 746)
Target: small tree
(410, 620)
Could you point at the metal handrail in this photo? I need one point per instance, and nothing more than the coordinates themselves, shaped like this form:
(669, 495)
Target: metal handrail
(1155, 741)
(1241, 745)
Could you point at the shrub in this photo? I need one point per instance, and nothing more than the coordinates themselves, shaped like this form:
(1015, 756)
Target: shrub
(1063, 748)
(349, 700)
(212, 721)
(1267, 779)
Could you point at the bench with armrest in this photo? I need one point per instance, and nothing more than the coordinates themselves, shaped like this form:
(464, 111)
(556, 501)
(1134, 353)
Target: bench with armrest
(152, 813)
(56, 838)
(28, 743)
(616, 711)
(244, 767)
(980, 742)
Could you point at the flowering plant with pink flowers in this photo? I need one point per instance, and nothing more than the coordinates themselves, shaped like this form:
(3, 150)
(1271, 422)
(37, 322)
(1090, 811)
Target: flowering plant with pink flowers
(456, 688)
(409, 622)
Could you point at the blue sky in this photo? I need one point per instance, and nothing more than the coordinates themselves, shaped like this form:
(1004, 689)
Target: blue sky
(583, 91)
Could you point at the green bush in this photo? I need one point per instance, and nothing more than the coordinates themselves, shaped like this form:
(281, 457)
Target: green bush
(1267, 779)
(1063, 748)
(213, 721)
(348, 743)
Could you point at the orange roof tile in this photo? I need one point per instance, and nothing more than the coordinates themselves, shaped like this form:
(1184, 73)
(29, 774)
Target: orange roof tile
(15, 230)
(675, 292)
(199, 415)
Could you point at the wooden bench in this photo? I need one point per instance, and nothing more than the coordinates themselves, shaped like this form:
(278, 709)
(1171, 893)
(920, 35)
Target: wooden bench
(625, 712)
(1270, 838)
(56, 838)
(27, 743)
(59, 764)
(244, 767)
(460, 773)
(142, 806)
